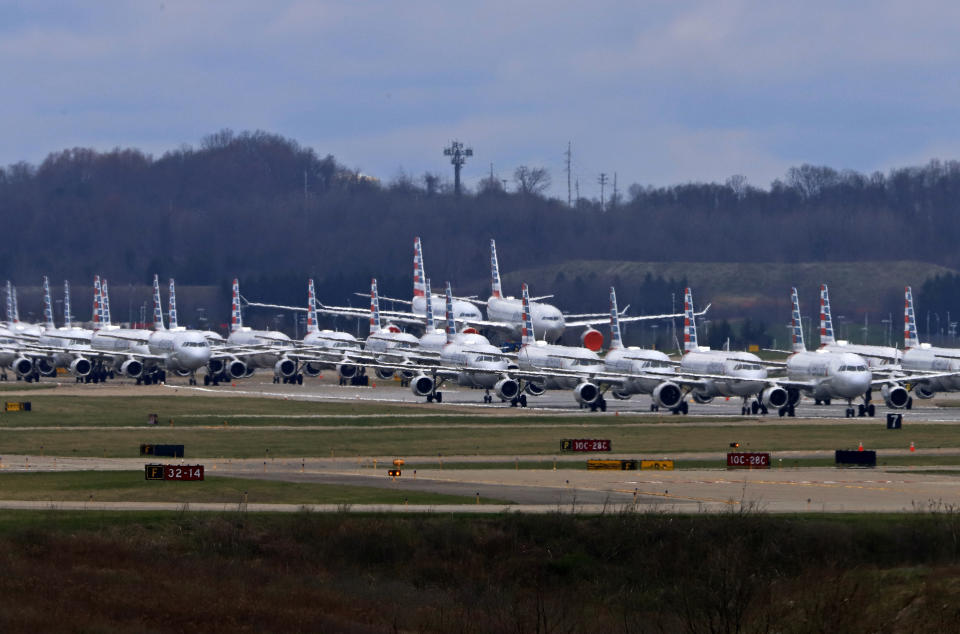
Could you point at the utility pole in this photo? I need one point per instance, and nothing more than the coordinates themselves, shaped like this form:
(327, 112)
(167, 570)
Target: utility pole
(577, 185)
(569, 161)
(603, 183)
(614, 199)
(458, 156)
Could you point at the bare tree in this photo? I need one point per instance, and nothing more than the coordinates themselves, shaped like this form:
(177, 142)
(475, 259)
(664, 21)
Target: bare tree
(531, 180)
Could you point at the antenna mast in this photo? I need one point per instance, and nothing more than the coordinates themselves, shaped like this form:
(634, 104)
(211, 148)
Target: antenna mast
(458, 156)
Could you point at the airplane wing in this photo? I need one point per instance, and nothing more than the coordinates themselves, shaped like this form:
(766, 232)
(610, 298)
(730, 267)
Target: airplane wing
(606, 318)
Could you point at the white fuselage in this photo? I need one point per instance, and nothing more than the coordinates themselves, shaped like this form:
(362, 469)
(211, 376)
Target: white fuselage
(928, 359)
(462, 309)
(73, 341)
(332, 341)
(836, 375)
(875, 356)
(543, 356)
(185, 350)
(483, 364)
(547, 319)
(639, 361)
(275, 345)
(747, 377)
(386, 340)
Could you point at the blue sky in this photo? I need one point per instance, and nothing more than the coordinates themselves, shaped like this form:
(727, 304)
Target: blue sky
(658, 92)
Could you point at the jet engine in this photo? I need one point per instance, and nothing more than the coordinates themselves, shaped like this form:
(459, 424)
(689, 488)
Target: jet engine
(534, 389)
(383, 373)
(421, 385)
(311, 369)
(285, 367)
(701, 398)
(45, 366)
(923, 391)
(586, 393)
(895, 396)
(236, 368)
(592, 339)
(667, 395)
(80, 366)
(132, 368)
(183, 373)
(620, 395)
(23, 366)
(347, 370)
(215, 366)
(507, 389)
(774, 397)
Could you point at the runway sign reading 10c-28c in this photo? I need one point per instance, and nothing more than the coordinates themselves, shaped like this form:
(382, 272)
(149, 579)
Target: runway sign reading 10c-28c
(748, 460)
(173, 472)
(584, 444)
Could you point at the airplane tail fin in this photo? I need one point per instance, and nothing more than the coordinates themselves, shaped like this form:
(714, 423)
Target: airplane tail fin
(172, 313)
(689, 325)
(236, 318)
(796, 327)
(157, 306)
(431, 322)
(9, 302)
(311, 307)
(495, 290)
(97, 317)
(451, 324)
(419, 278)
(105, 304)
(47, 305)
(374, 307)
(67, 317)
(16, 308)
(910, 337)
(826, 319)
(527, 329)
(616, 341)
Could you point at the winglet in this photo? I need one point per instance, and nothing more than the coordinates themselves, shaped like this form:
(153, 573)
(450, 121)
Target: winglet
(47, 305)
(689, 323)
(431, 322)
(172, 313)
(311, 307)
(374, 307)
(451, 324)
(796, 327)
(910, 337)
(419, 276)
(826, 319)
(615, 340)
(67, 317)
(526, 333)
(157, 306)
(236, 318)
(496, 291)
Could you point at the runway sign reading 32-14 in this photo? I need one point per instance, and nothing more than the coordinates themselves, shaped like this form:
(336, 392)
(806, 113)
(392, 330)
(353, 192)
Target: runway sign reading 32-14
(748, 460)
(584, 444)
(173, 472)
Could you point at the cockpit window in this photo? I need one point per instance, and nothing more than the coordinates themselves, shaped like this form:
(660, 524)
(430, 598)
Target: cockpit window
(587, 362)
(853, 368)
(747, 366)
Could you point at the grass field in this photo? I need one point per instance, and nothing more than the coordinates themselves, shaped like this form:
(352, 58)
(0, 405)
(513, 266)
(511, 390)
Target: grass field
(130, 486)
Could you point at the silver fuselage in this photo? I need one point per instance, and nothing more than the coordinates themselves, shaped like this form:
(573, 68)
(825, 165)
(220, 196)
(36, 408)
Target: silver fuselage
(642, 362)
(547, 319)
(835, 375)
(543, 356)
(742, 373)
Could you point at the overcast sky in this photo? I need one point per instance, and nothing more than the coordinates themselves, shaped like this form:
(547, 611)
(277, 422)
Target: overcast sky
(659, 92)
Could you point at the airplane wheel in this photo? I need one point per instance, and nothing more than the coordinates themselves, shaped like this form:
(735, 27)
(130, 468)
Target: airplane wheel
(764, 410)
(603, 404)
(206, 379)
(791, 411)
(513, 402)
(299, 379)
(816, 401)
(861, 410)
(782, 411)
(429, 398)
(826, 401)
(523, 400)
(684, 408)
(871, 410)
(754, 407)
(439, 397)
(910, 403)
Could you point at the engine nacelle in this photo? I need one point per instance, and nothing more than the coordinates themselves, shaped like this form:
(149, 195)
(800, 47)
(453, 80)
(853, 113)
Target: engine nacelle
(347, 370)
(285, 367)
(895, 396)
(774, 397)
(592, 339)
(384, 374)
(507, 389)
(620, 395)
(534, 389)
(667, 395)
(311, 369)
(923, 391)
(183, 373)
(80, 366)
(131, 368)
(237, 369)
(421, 385)
(23, 366)
(586, 393)
(45, 366)
(702, 399)
(216, 366)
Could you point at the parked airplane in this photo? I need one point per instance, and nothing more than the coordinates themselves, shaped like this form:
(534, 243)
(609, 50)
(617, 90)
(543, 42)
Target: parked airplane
(923, 357)
(16, 327)
(875, 356)
(65, 347)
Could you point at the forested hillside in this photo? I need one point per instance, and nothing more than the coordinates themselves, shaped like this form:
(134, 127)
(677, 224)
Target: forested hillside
(264, 208)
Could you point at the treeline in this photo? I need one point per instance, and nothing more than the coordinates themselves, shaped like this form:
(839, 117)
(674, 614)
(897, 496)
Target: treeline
(266, 209)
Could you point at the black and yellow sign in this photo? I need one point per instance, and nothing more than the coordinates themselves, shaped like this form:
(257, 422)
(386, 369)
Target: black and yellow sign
(611, 465)
(153, 471)
(393, 473)
(12, 406)
(656, 465)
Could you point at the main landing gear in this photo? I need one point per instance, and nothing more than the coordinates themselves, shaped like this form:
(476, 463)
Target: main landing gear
(682, 408)
(487, 398)
(519, 400)
(193, 378)
(755, 407)
(297, 379)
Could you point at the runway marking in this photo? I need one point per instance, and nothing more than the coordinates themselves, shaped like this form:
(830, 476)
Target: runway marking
(728, 502)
